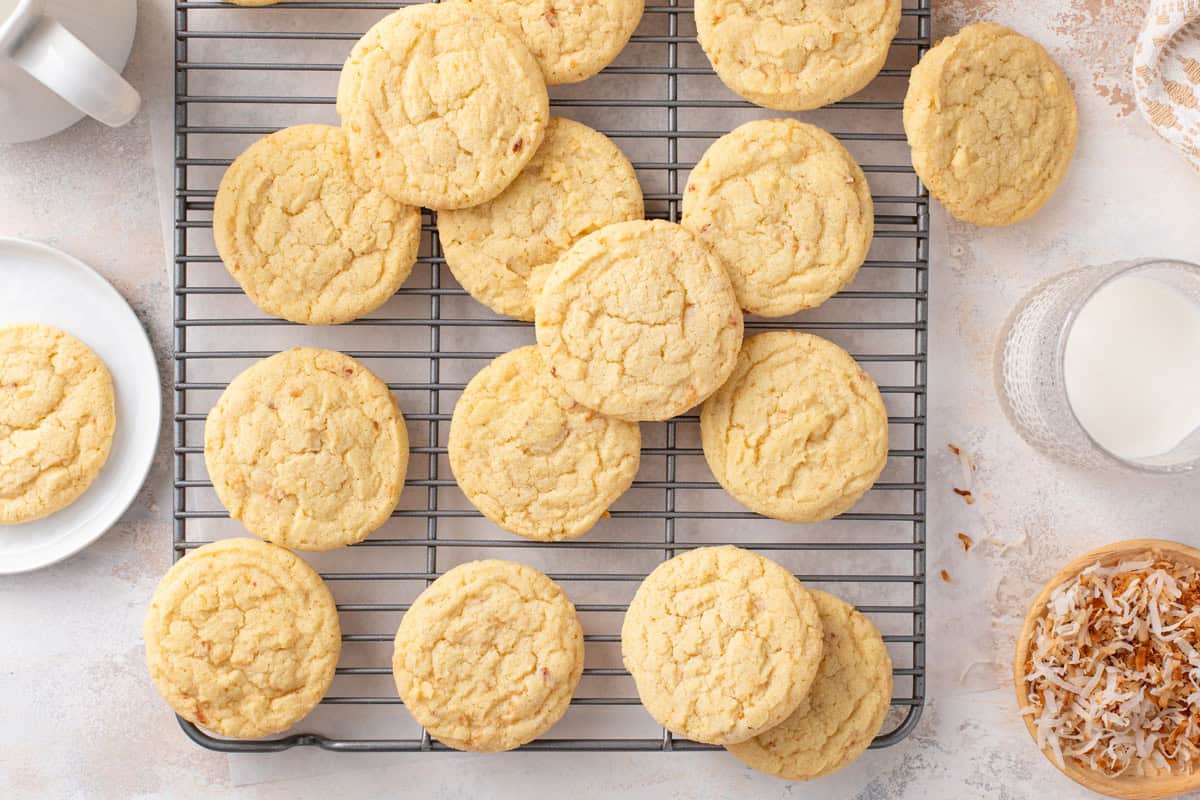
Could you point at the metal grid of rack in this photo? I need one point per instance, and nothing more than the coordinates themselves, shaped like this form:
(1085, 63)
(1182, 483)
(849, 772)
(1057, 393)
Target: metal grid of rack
(238, 76)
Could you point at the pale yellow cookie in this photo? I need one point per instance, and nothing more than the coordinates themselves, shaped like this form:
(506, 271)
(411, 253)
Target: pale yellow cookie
(639, 321)
(488, 656)
(799, 432)
(788, 211)
(443, 106)
(722, 643)
(992, 124)
(307, 238)
(571, 40)
(843, 711)
(242, 637)
(57, 418)
(308, 449)
(502, 251)
(533, 460)
(793, 55)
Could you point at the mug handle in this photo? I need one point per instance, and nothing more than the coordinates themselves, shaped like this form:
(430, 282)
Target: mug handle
(53, 55)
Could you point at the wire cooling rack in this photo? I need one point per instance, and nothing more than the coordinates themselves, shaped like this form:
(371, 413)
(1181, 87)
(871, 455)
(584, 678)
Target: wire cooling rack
(241, 73)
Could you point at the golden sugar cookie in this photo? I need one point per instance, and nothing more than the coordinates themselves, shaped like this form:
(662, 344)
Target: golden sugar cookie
(242, 637)
(307, 449)
(992, 124)
(533, 460)
(799, 432)
(793, 55)
(488, 656)
(443, 106)
(639, 321)
(788, 211)
(722, 643)
(844, 709)
(57, 419)
(573, 40)
(502, 251)
(307, 238)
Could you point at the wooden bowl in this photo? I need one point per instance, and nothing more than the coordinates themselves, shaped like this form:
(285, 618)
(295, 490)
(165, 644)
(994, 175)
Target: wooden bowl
(1132, 787)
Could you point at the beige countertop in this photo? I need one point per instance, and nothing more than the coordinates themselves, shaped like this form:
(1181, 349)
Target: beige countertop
(81, 719)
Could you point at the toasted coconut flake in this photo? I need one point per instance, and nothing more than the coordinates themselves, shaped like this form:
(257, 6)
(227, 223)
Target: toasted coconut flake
(1113, 676)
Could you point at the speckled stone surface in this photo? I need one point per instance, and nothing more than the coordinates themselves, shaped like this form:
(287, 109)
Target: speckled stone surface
(80, 718)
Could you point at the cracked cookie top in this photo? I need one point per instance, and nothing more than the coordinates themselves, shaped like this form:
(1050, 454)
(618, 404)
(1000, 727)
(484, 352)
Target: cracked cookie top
(639, 321)
(443, 106)
(488, 657)
(242, 637)
(57, 418)
(307, 449)
(533, 460)
(788, 211)
(571, 41)
(502, 251)
(843, 711)
(722, 643)
(793, 55)
(308, 238)
(992, 124)
(799, 432)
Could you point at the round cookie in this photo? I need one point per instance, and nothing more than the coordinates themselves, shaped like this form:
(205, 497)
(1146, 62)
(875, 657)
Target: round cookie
(722, 643)
(308, 449)
(502, 251)
(992, 124)
(799, 432)
(786, 208)
(844, 709)
(571, 41)
(242, 637)
(639, 321)
(307, 238)
(443, 106)
(57, 418)
(488, 656)
(533, 460)
(793, 55)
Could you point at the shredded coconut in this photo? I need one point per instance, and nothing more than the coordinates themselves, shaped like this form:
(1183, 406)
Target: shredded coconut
(1113, 674)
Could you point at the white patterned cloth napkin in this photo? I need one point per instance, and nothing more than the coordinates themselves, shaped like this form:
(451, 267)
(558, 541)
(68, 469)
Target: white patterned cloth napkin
(1166, 74)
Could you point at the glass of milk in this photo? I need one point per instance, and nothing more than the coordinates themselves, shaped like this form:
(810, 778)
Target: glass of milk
(1100, 366)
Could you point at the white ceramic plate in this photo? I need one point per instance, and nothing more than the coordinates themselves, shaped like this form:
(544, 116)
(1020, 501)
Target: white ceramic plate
(41, 284)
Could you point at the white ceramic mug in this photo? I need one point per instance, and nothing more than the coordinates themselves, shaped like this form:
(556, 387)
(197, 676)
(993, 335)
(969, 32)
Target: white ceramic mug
(59, 60)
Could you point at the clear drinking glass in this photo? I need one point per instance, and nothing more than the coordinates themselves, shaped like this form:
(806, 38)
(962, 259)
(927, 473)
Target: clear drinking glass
(1030, 375)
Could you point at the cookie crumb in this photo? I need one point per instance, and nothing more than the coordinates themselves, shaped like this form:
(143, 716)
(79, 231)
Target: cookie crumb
(946, 577)
(966, 495)
(967, 541)
(954, 449)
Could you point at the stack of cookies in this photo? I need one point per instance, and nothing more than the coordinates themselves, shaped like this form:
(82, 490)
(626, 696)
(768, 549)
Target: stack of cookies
(728, 648)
